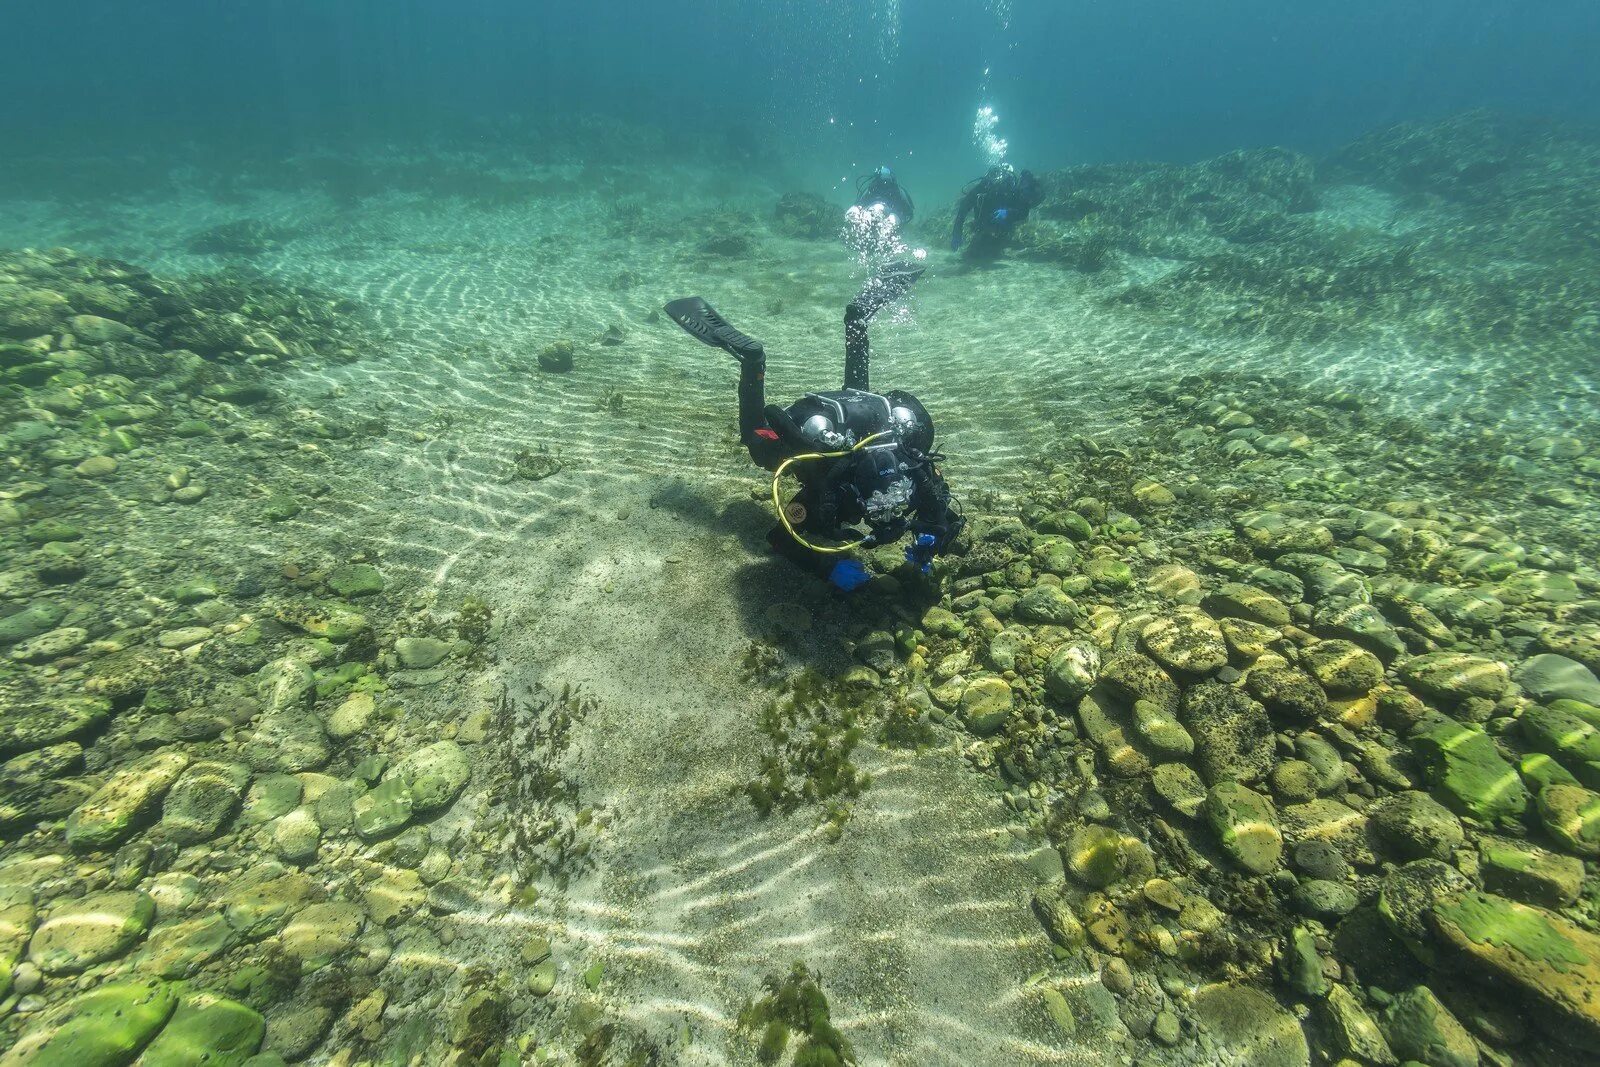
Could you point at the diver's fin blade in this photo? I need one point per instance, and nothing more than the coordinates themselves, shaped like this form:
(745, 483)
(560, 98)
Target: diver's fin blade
(701, 321)
(888, 285)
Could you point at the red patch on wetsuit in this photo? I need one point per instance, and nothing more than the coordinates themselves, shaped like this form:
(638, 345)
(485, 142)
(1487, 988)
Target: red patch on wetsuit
(766, 434)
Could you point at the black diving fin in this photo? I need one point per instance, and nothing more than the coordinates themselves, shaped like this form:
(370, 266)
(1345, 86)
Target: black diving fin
(887, 286)
(700, 320)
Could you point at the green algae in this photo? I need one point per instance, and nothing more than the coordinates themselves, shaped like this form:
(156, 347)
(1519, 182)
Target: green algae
(795, 1006)
(1489, 920)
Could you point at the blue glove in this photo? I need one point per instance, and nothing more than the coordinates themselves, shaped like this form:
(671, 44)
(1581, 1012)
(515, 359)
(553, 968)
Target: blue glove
(1001, 214)
(849, 575)
(920, 554)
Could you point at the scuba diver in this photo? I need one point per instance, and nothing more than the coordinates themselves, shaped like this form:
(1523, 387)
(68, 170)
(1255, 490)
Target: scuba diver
(998, 202)
(862, 458)
(882, 189)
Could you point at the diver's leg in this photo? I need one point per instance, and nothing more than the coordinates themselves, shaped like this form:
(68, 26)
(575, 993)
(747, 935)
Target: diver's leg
(857, 352)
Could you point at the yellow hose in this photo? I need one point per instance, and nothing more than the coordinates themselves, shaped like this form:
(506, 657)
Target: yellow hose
(783, 514)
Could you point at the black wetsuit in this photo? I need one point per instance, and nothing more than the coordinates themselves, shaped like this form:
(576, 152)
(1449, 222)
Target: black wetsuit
(877, 189)
(1016, 193)
(835, 493)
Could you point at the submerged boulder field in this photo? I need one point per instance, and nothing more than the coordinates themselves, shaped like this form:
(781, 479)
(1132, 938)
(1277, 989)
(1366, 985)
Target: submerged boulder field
(1328, 740)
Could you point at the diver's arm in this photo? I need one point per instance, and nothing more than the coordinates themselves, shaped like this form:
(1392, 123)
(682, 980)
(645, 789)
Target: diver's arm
(932, 509)
(962, 211)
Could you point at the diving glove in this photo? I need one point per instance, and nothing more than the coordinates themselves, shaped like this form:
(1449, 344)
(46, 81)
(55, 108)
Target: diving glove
(920, 553)
(1001, 214)
(849, 575)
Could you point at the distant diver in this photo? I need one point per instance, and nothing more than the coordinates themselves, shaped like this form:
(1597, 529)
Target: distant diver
(882, 189)
(862, 458)
(998, 203)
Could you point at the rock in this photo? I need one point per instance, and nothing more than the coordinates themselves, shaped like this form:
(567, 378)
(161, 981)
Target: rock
(1067, 523)
(1180, 787)
(1554, 963)
(1324, 900)
(1132, 677)
(1550, 677)
(207, 1031)
(1343, 668)
(297, 836)
(1174, 582)
(81, 933)
(257, 910)
(1319, 859)
(1233, 736)
(106, 1027)
(270, 797)
(557, 357)
(1287, 693)
(420, 653)
(1408, 893)
(1243, 602)
(126, 675)
(1528, 873)
(1251, 1026)
(355, 580)
(1341, 827)
(1353, 1029)
(434, 776)
(1246, 825)
(202, 801)
(1571, 815)
(985, 705)
(1300, 966)
(1097, 856)
(1415, 826)
(37, 617)
(1049, 605)
(382, 811)
(1072, 670)
(395, 894)
(179, 950)
(1190, 642)
(128, 798)
(1558, 732)
(1354, 620)
(51, 645)
(319, 933)
(1109, 574)
(1456, 675)
(1421, 1029)
(1163, 733)
(1247, 641)
(1102, 725)
(1467, 772)
(36, 726)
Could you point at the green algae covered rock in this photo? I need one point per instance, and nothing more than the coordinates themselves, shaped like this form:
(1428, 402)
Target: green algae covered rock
(1246, 825)
(1552, 677)
(1186, 641)
(382, 811)
(36, 726)
(1353, 1029)
(1554, 963)
(1423, 1030)
(1456, 675)
(1415, 826)
(1408, 893)
(1343, 668)
(434, 776)
(207, 1031)
(1235, 601)
(1467, 772)
(38, 617)
(1571, 815)
(1252, 1026)
(1067, 524)
(1528, 873)
(203, 800)
(81, 933)
(1072, 671)
(356, 579)
(1097, 856)
(1558, 732)
(106, 1027)
(178, 950)
(128, 798)
(985, 705)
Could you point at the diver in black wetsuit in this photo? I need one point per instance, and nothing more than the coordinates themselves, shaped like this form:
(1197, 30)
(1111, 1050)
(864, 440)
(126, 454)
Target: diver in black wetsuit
(881, 188)
(998, 202)
(862, 458)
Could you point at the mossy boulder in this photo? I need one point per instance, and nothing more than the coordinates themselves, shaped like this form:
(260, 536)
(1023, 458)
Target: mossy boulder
(434, 776)
(356, 579)
(383, 811)
(33, 619)
(1072, 671)
(1559, 732)
(1421, 1029)
(1408, 892)
(1232, 733)
(1571, 815)
(1068, 524)
(1552, 962)
(1456, 675)
(1049, 604)
(1255, 1029)
(179, 950)
(1414, 826)
(35, 726)
(207, 1031)
(80, 933)
(1467, 772)
(106, 1027)
(1528, 873)
(1287, 693)
(1097, 856)
(202, 801)
(1189, 642)
(1246, 825)
(1343, 668)
(129, 798)
(1237, 601)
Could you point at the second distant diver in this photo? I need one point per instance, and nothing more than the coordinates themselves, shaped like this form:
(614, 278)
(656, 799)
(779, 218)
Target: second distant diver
(997, 204)
(865, 461)
(882, 190)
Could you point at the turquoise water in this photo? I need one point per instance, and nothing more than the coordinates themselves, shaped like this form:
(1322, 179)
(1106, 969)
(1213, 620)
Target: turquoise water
(396, 671)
